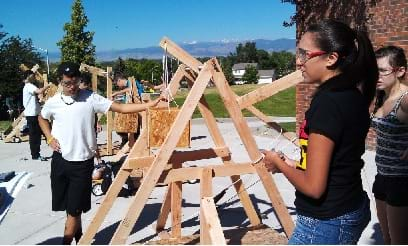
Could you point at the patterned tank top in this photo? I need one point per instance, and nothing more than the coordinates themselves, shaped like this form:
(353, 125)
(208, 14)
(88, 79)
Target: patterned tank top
(392, 141)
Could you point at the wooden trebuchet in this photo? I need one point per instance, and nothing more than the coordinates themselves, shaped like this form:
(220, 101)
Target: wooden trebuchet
(166, 165)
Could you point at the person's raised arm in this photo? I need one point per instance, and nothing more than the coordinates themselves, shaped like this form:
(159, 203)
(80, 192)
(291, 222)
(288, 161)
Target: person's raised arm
(120, 92)
(134, 107)
(40, 91)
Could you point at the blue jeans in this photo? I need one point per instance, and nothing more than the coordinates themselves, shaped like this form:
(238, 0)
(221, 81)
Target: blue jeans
(345, 229)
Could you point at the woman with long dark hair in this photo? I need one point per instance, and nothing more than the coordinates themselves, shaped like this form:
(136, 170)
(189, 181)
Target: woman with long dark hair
(332, 207)
(390, 121)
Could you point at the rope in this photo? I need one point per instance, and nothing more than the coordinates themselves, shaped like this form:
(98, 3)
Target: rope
(169, 96)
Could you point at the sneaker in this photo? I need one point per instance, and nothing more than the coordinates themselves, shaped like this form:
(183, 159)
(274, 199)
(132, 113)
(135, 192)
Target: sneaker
(40, 158)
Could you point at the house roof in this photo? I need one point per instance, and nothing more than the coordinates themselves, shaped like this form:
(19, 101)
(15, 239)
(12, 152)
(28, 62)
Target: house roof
(266, 73)
(242, 66)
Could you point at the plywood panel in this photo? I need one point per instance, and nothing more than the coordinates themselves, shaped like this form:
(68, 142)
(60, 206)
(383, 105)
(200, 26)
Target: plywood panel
(159, 124)
(126, 122)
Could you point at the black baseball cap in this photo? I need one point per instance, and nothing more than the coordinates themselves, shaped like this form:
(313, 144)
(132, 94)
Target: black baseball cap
(70, 69)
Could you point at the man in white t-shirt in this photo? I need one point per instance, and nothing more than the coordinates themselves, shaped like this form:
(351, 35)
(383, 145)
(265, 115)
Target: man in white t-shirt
(73, 140)
(31, 111)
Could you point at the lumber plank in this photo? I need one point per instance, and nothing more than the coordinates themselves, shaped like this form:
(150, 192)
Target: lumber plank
(210, 226)
(176, 199)
(271, 89)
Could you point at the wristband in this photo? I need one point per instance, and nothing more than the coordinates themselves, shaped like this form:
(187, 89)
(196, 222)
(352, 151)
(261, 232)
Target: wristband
(49, 140)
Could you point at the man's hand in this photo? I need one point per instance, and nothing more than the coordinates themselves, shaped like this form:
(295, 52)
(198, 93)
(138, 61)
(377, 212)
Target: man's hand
(157, 100)
(98, 127)
(54, 144)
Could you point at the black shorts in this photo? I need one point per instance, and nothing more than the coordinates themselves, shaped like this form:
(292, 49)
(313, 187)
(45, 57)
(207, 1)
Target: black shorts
(392, 190)
(71, 185)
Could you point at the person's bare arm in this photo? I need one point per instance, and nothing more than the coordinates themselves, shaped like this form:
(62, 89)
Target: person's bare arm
(134, 107)
(313, 181)
(46, 129)
(40, 91)
(120, 92)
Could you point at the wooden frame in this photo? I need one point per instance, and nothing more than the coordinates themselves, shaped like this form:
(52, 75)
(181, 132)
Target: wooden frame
(140, 158)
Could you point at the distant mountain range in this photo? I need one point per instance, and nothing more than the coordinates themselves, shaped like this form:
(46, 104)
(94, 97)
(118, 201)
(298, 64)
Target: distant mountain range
(197, 49)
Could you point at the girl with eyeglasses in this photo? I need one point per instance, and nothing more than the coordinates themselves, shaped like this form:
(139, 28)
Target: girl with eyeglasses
(390, 121)
(331, 205)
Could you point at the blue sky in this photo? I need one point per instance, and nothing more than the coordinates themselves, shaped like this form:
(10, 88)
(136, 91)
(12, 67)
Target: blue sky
(124, 24)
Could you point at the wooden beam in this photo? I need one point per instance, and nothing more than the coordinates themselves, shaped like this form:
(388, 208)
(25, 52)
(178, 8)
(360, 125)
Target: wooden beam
(91, 69)
(163, 156)
(95, 82)
(105, 206)
(205, 191)
(173, 49)
(164, 210)
(228, 97)
(273, 88)
(15, 132)
(210, 227)
(109, 119)
(178, 156)
(276, 200)
(190, 173)
(176, 199)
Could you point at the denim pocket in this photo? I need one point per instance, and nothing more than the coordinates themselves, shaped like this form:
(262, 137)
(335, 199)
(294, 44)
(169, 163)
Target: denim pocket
(353, 224)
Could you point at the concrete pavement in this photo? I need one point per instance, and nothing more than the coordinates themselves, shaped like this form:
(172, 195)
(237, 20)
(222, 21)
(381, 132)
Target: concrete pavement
(31, 221)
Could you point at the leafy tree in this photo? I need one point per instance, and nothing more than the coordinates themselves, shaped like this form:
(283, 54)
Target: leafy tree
(246, 53)
(264, 60)
(76, 45)
(119, 67)
(226, 65)
(13, 52)
(251, 75)
(283, 62)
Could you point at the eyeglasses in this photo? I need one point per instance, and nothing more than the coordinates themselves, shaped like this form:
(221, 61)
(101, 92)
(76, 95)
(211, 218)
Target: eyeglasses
(70, 83)
(305, 55)
(386, 72)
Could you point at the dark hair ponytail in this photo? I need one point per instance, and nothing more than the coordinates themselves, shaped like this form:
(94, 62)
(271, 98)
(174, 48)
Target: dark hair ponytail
(356, 58)
(366, 67)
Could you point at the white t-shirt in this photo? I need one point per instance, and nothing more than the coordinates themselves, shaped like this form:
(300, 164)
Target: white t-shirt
(30, 100)
(73, 122)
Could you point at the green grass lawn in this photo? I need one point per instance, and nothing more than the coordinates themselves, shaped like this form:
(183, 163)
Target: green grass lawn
(4, 125)
(281, 104)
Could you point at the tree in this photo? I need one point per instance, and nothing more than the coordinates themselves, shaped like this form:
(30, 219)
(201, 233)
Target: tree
(264, 61)
(76, 45)
(13, 52)
(119, 67)
(251, 75)
(226, 65)
(246, 53)
(284, 63)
